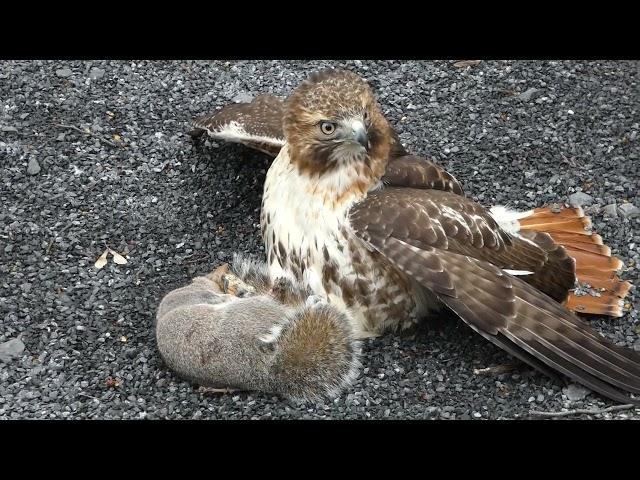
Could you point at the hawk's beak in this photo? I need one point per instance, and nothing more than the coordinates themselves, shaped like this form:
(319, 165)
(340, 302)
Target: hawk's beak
(359, 133)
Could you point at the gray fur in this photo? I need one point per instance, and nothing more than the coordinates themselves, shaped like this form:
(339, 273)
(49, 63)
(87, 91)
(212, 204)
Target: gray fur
(218, 340)
(251, 271)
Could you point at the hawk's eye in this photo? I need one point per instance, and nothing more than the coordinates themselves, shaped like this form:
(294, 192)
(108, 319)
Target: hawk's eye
(327, 127)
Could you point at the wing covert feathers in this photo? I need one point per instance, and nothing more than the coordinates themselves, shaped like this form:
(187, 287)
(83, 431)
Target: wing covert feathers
(418, 172)
(257, 125)
(442, 250)
(454, 223)
(599, 290)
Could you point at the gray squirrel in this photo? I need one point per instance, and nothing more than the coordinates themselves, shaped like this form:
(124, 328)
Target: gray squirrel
(235, 329)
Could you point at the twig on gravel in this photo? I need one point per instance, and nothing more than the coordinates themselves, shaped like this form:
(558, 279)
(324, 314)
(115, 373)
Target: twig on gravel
(216, 391)
(195, 260)
(496, 370)
(90, 186)
(626, 406)
(48, 250)
(73, 127)
(87, 396)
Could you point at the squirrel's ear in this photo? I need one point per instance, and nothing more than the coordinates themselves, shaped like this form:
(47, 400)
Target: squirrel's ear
(268, 341)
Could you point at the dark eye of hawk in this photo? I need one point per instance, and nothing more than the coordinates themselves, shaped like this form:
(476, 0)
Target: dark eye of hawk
(327, 127)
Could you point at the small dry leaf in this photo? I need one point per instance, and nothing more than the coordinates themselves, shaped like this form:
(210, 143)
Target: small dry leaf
(110, 114)
(123, 339)
(102, 261)
(113, 382)
(466, 63)
(119, 259)
(117, 137)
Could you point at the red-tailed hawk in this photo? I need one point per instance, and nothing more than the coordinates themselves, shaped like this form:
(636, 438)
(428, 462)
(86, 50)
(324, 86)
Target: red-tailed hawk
(391, 238)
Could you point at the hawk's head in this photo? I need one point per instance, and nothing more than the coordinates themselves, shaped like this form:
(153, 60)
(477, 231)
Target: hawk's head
(333, 125)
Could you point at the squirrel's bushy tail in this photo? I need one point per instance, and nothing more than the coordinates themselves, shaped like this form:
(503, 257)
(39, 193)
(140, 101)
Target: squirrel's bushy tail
(316, 353)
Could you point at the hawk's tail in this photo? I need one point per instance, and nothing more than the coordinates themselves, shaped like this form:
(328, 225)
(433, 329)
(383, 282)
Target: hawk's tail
(599, 290)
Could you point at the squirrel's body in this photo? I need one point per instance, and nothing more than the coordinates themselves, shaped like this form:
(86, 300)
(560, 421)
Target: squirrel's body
(274, 339)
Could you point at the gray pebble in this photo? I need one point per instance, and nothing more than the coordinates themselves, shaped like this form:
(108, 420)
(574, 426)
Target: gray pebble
(610, 210)
(628, 210)
(575, 392)
(580, 199)
(33, 167)
(529, 94)
(11, 349)
(242, 97)
(64, 72)
(96, 73)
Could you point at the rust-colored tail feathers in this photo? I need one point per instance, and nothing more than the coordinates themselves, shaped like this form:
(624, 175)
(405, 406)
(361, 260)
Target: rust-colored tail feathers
(599, 290)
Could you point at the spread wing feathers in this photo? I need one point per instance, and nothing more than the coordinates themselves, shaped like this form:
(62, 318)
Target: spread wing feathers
(503, 308)
(456, 224)
(257, 125)
(418, 172)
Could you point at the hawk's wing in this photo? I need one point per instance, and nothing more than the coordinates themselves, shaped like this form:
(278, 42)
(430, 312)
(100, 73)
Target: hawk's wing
(452, 246)
(405, 170)
(418, 172)
(257, 124)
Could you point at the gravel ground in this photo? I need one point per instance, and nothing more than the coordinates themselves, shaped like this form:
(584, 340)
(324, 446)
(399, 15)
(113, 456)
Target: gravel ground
(76, 342)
